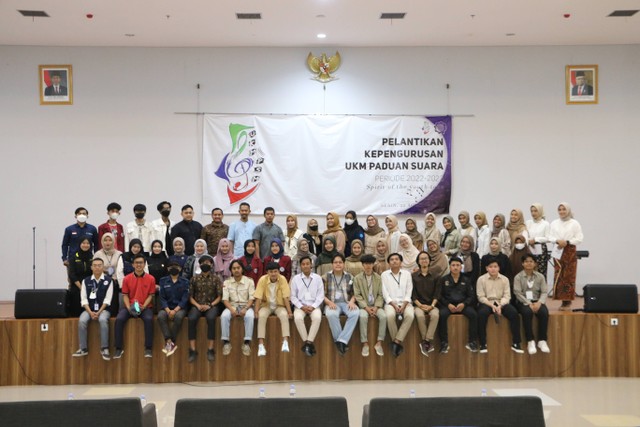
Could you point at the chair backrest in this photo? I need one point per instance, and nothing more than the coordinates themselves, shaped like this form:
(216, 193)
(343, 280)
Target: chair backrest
(307, 412)
(72, 413)
(490, 411)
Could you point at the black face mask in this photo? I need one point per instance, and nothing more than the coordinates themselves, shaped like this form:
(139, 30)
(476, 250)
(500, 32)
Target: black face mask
(174, 271)
(205, 268)
(165, 212)
(313, 227)
(139, 215)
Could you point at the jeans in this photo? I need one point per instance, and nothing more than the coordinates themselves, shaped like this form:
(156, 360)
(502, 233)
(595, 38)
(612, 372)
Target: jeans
(333, 317)
(121, 321)
(225, 324)
(171, 332)
(83, 324)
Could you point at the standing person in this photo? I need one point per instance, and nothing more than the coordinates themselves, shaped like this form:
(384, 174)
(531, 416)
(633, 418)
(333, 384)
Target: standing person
(353, 265)
(237, 297)
(381, 255)
(110, 258)
(566, 234)
(373, 233)
(214, 232)
(496, 255)
(303, 251)
(95, 297)
(457, 296)
(538, 229)
(396, 290)
(466, 228)
(499, 232)
(264, 233)
(138, 289)
(493, 298)
(278, 256)
(79, 269)
(439, 265)
(162, 226)
(393, 234)
(353, 231)
(367, 289)
(520, 249)
(450, 242)
(516, 226)
(178, 252)
(174, 298)
(431, 231)
(334, 229)
(530, 288)
(139, 229)
(157, 261)
(192, 265)
(223, 258)
(425, 296)
(314, 237)
(189, 229)
(205, 293)
(75, 232)
(251, 263)
(470, 260)
(324, 263)
(112, 226)
(412, 231)
(293, 236)
(272, 296)
(484, 233)
(241, 230)
(339, 299)
(307, 295)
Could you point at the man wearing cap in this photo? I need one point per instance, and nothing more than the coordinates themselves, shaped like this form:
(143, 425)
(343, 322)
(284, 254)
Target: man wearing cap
(174, 297)
(367, 288)
(307, 295)
(237, 297)
(56, 89)
(205, 293)
(581, 88)
(139, 229)
(272, 296)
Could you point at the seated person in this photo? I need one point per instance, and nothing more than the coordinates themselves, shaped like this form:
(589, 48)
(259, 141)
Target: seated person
(192, 264)
(353, 264)
(251, 263)
(307, 295)
(381, 254)
(237, 297)
(303, 251)
(324, 263)
(396, 290)
(174, 298)
(79, 269)
(367, 288)
(278, 256)
(339, 299)
(157, 261)
(425, 296)
(222, 259)
(530, 288)
(272, 296)
(178, 252)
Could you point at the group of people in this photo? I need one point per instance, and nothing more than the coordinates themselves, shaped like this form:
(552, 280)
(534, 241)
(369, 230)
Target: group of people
(251, 271)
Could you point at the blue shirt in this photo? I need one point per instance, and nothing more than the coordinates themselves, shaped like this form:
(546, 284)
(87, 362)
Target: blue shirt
(240, 232)
(72, 236)
(173, 294)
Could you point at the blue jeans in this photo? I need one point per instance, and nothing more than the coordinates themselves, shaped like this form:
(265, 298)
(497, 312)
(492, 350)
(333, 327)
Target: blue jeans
(225, 323)
(333, 317)
(83, 324)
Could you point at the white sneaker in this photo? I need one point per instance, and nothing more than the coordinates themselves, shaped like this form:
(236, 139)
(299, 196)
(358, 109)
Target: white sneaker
(261, 350)
(542, 345)
(365, 351)
(226, 349)
(285, 346)
(531, 347)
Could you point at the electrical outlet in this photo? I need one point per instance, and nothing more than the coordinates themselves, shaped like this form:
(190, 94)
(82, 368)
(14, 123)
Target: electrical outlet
(614, 322)
(44, 327)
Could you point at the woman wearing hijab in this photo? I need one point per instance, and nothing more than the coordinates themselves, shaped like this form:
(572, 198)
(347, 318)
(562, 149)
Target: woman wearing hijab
(110, 257)
(466, 228)
(192, 265)
(277, 255)
(450, 242)
(409, 254)
(324, 263)
(373, 233)
(381, 255)
(516, 226)
(125, 263)
(499, 232)
(393, 234)
(79, 269)
(439, 265)
(353, 230)
(430, 229)
(251, 264)
(334, 229)
(470, 260)
(484, 233)
(157, 261)
(538, 229)
(303, 251)
(292, 236)
(414, 234)
(520, 249)
(178, 252)
(223, 259)
(496, 254)
(566, 234)
(314, 237)
(352, 264)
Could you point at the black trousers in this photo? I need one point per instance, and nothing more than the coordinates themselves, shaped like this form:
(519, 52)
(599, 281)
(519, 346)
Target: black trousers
(471, 315)
(527, 321)
(508, 311)
(194, 317)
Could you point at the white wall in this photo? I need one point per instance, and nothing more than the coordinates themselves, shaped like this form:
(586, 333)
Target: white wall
(122, 141)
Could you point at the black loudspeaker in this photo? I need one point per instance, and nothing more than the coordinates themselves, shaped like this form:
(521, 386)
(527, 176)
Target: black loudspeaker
(40, 303)
(611, 298)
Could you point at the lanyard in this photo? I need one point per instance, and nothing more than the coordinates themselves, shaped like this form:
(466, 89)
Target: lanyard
(305, 283)
(398, 279)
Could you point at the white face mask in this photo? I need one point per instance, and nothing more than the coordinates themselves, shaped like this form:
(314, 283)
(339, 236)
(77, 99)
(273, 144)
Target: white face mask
(114, 215)
(81, 218)
(349, 221)
(519, 246)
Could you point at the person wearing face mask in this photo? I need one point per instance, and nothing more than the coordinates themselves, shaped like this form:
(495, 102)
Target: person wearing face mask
(112, 226)
(313, 237)
(520, 249)
(174, 297)
(74, 233)
(373, 234)
(162, 226)
(139, 229)
(353, 230)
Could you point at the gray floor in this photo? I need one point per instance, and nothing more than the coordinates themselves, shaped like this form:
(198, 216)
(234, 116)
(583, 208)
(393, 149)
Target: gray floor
(604, 402)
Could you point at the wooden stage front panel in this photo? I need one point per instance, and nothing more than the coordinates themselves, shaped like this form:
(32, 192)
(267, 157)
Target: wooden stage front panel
(582, 345)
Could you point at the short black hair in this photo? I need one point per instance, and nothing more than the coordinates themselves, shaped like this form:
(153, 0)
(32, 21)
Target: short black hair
(81, 209)
(368, 259)
(423, 252)
(245, 204)
(217, 209)
(303, 258)
(114, 206)
(273, 266)
(235, 261)
(267, 209)
(394, 254)
(338, 255)
(527, 256)
(454, 259)
(493, 261)
(97, 259)
(185, 207)
(139, 207)
(161, 204)
(138, 256)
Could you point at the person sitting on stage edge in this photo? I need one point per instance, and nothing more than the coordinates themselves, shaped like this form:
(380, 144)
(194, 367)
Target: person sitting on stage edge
(396, 290)
(367, 288)
(237, 297)
(272, 296)
(339, 299)
(530, 288)
(307, 295)
(174, 297)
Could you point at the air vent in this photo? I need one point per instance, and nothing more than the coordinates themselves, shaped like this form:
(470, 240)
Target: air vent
(623, 13)
(249, 15)
(34, 13)
(392, 15)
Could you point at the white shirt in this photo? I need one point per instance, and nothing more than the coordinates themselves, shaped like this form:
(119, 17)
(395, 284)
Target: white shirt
(396, 287)
(159, 231)
(144, 232)
(539, 231)
(484, 237)
(291, 244)
(307, 290)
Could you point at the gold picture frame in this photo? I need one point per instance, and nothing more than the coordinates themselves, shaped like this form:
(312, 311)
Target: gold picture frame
(56, 84)
(581, 84)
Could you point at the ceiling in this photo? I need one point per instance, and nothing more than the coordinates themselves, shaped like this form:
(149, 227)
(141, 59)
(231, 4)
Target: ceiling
(213, 23)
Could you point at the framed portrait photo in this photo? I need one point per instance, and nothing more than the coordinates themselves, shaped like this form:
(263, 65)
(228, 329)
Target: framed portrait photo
(56, 84)
(581, 84)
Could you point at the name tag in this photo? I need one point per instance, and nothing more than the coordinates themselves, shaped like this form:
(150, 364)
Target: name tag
(93, 295)
(96, 307)
(110, 271)
(529, 295)
(307, 295)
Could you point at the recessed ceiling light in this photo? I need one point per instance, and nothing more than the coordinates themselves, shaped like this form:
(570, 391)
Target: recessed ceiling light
(130, 35)
(393, 15)
(510, 34)
(321, 36)
(623, 13)
(248, 15)
(320, 16)
(34, 13)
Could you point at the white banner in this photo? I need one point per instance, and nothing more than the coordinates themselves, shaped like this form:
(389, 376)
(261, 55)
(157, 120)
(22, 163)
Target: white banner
(315, 164)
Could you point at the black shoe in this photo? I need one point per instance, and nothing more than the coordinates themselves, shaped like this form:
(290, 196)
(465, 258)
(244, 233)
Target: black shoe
(484, 349)
(444, 347)
(517, 348)
(341, 348)
(312, 346)
(399, 350)
(472, 347)
(306, 349)
(192, 356)
(211, 355)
